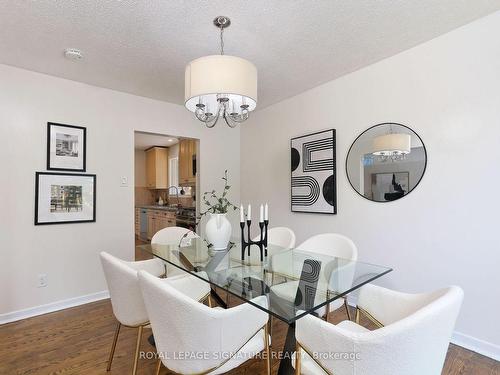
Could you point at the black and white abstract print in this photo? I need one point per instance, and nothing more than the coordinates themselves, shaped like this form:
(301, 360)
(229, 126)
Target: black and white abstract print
(314, 173)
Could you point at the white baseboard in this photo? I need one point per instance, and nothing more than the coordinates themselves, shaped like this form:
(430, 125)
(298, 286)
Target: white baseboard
(51, 307)
(476, 345)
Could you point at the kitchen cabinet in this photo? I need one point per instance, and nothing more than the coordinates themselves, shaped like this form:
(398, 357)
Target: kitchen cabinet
(157, 168)
(137, 222)
(187, 162)
(159, 219)
(151, 226)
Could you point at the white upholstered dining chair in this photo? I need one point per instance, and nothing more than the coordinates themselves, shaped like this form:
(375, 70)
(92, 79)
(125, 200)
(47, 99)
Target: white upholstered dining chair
(412, 338)
(172, 236)
(227, 338)
(126, 297)
(282, 238)
(329, 245)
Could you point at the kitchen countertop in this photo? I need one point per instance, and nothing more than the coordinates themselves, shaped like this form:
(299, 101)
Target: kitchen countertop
(164, 208)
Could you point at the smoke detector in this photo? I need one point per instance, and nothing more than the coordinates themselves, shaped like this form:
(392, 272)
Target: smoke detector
(73, 54)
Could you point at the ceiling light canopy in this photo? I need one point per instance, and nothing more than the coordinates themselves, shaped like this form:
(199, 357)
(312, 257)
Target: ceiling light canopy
(73, 54)
(221, 86)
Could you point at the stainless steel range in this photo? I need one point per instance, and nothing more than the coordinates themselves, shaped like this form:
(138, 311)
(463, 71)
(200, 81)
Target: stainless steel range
(186, 218)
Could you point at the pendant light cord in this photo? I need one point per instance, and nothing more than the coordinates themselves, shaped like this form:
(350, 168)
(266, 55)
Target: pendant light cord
(222, 40)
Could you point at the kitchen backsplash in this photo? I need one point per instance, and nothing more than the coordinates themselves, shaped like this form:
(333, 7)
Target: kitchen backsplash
(148, 197)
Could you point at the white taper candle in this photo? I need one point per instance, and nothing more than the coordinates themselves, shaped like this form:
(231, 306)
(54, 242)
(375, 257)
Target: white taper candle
(242, 214)
(261, 214)
(249, 212)
(266, 212)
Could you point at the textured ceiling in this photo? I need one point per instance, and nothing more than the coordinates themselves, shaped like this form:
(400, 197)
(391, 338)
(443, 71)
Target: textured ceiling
(142, 47)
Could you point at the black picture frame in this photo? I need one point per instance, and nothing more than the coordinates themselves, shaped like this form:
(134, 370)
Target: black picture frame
(94, 200)
(84, 148)
(333, 185)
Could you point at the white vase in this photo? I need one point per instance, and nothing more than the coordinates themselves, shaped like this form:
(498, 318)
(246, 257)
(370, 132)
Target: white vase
(218, 231)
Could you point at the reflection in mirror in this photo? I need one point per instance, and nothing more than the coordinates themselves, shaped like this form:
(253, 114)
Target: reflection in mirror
(386, 162)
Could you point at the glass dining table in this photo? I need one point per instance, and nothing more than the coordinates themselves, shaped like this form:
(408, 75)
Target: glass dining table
(295, 282)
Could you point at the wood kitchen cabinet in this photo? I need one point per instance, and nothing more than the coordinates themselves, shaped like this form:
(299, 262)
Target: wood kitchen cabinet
(157, 168)
(187, 162)
(137, 222)
(151, 226)
(159, 219)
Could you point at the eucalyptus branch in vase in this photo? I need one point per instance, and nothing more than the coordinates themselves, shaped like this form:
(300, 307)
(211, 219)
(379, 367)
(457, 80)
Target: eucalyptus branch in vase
(217, 203)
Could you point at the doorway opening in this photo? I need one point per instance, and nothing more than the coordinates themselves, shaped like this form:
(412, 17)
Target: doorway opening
(166, 183)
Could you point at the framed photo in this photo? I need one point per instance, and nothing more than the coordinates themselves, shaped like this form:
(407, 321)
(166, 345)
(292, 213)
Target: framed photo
(389, 186)
(64, 198)
(314, 176)
(66, 147)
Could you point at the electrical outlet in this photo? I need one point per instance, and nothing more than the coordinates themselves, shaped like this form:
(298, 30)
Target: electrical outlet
(42, 280)
(124, 182)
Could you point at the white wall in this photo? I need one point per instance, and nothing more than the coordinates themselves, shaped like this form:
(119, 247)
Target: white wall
(173, 151)
(444, 232)
(140, 168)
(68, 253)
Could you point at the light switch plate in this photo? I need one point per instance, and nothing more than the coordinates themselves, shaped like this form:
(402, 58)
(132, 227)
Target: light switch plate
(124, 182)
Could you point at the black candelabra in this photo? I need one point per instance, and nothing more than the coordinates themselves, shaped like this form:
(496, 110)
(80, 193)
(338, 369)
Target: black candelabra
(262, 243)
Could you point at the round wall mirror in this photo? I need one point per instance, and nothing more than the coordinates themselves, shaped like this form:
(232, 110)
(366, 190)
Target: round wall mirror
(386, 162)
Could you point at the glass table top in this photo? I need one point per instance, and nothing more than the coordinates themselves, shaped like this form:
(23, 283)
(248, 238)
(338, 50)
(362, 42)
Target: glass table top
(295, 282)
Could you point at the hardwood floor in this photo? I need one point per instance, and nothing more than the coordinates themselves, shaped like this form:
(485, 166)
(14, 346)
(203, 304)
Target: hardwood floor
(78, 340)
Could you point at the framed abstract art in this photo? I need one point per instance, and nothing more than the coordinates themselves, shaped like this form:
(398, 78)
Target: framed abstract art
(314, 177)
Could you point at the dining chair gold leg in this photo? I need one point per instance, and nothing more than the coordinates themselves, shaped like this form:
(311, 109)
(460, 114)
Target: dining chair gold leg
(113, 346)
(271, 328)
(327, 307)
(298, 357)
(268, 353)
(357, 316)
(158, 367)
(209, 300)
(137, 347)
(347, 309)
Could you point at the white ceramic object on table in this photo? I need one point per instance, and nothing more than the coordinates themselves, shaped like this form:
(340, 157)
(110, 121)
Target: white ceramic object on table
(218, 231)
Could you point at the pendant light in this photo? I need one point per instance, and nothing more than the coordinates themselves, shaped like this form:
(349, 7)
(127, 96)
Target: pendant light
(220, 85)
